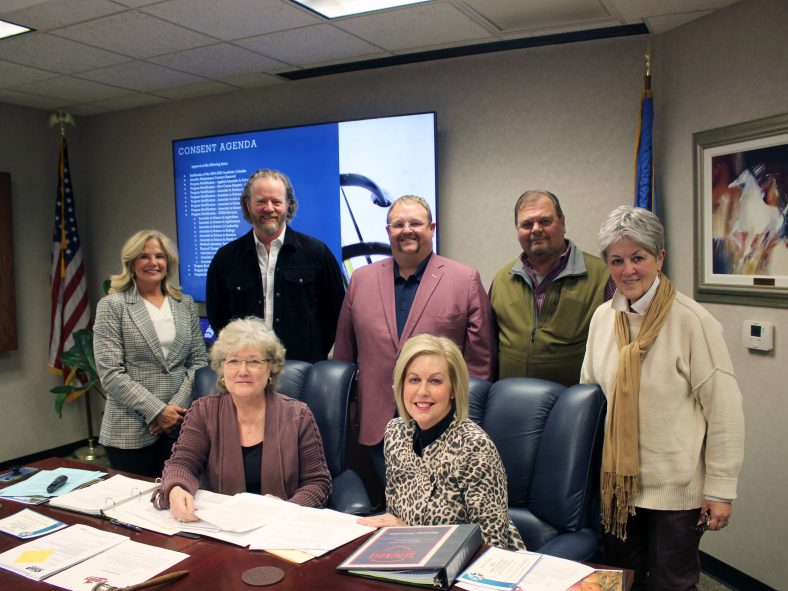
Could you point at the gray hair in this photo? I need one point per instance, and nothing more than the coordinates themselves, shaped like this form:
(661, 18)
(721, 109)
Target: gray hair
(269, 173)
(410, 199)
(535, 195)
(638, 224)
(249, 332)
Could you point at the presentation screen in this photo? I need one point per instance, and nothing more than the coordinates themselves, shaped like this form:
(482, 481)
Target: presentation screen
(344, 174)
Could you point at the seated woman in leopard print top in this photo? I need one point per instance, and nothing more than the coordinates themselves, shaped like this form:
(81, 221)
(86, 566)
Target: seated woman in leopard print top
(441, 468)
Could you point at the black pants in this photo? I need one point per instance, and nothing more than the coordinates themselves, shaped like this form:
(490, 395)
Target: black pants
(145, 461)
(662, 549)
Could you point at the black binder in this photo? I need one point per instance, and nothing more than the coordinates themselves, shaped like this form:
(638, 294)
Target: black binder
(427, 556)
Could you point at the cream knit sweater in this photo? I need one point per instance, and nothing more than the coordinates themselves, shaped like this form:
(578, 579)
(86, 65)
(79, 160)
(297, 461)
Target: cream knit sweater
(690, 411)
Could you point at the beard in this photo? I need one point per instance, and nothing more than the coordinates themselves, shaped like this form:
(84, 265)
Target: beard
(268, 226)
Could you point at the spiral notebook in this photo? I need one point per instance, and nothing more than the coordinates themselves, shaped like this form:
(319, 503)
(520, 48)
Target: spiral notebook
(103, 495)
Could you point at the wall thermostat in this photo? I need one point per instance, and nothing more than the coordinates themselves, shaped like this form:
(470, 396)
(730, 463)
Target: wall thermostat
(758, 335)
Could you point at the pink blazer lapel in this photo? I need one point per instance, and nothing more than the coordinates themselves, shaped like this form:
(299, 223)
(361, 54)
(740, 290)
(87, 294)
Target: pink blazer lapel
(386, 286)
(429, 282)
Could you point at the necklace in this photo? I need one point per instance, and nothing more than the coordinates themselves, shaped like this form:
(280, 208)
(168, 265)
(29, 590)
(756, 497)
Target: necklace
(254, 420)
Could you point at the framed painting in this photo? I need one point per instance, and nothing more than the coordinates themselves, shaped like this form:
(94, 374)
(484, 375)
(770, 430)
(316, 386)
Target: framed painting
(741, 213)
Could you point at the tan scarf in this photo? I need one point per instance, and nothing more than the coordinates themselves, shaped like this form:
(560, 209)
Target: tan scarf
(620, 463)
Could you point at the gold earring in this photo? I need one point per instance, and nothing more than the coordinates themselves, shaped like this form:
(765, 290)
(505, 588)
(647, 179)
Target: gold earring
(221, 381)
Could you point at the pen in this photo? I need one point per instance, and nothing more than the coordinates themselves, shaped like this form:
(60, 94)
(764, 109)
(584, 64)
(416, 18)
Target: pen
(57, 483)
(124, 524)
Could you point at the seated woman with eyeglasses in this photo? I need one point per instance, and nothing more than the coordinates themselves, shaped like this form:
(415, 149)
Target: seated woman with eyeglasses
(247, 437)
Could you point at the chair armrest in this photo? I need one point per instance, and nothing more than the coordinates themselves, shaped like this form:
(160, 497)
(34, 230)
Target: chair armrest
(349, 495)
(581, 545)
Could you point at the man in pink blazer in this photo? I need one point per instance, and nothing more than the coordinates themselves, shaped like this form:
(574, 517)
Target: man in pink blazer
(414, 292)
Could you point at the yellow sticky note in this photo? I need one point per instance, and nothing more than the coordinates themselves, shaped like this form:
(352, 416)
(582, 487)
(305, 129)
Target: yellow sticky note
(34, 556)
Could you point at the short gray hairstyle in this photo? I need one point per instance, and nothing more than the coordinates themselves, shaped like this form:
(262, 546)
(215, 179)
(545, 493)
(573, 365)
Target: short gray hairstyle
(410, 199)
(535, 195)
(638, 224)
(249, 332)
(269, 173)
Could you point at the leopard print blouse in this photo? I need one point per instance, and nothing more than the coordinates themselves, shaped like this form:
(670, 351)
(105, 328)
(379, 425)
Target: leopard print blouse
(459, 479)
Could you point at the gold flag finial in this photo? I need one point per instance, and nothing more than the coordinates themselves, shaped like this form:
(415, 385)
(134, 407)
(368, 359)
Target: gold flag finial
(61, 118)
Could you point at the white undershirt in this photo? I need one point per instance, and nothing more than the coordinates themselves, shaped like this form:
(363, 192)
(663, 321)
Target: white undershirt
(163, 322)
(267, 261)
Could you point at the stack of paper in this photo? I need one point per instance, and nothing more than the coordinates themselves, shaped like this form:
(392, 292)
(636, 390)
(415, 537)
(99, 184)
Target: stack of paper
(504, 570)
(34, 489)
(80, 556)
(46, 556)
(260, 522)
(103, 495)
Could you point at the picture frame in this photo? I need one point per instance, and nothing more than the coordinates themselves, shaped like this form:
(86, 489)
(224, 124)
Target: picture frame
(741, 213)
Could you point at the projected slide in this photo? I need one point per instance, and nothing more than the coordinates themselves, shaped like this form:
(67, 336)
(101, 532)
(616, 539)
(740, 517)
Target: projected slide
(344, 174)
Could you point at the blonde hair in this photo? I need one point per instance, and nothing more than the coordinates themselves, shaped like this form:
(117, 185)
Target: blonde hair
(129, 253)
(251, 333)
(446, 349)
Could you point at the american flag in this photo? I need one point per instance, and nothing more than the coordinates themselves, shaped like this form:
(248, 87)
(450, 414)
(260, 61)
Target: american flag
(70, 310)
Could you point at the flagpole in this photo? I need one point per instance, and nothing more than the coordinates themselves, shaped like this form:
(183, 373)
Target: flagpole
(91, 451)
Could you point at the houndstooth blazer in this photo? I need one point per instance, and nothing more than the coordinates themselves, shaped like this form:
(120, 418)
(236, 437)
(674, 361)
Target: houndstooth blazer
(138, 380)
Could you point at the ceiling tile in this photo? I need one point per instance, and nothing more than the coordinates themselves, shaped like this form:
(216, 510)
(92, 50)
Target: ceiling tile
(660, 24)
(233, 19)
(130, 101)
(72, 90)
(135, 34)
(54, 54)
(85, 110)
(254, 80)
(309, 45)
(141, 76)
(29, 100)
(508, 15)
(637, 10)
(218, 61)
(419, 26)
(14, 75)
(58, 13)
(136, 3)
(194, 90)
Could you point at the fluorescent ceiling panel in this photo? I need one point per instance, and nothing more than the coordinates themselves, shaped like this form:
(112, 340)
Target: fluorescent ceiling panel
(337, 8)
(10, 29)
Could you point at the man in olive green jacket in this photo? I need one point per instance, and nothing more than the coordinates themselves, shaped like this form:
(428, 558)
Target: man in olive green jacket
(544, 299)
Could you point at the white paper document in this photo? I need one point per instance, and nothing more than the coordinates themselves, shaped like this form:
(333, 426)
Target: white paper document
(243, 513)
(553, 574)
(126, 564)
(497, 570)
(29, 524)
(315, 531)
(103, 495)
(46, 556)
(141, 513)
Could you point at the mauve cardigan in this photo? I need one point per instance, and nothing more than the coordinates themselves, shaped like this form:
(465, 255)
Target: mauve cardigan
(208, 454)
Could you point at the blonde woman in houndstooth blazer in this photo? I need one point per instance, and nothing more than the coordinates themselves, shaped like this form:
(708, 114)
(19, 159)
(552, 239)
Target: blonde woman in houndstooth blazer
(148, 344)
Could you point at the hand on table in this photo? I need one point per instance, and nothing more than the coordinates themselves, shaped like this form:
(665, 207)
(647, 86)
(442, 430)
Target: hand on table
(385, 520)
(182, 504)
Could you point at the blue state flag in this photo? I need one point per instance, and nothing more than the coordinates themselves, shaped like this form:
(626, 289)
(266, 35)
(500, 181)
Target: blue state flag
(645, 195)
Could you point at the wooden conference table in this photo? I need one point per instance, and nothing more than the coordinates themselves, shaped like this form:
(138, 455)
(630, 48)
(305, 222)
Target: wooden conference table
(212, 564)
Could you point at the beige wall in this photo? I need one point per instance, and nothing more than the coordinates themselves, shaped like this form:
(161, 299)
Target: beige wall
(562, 118)
(28, 423)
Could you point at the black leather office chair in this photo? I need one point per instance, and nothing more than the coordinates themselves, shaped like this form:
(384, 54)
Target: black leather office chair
(550, 440)
(325, 388)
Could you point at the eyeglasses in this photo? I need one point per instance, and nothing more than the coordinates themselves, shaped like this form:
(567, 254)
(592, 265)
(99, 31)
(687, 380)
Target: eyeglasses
(412, 224)
(251, 364)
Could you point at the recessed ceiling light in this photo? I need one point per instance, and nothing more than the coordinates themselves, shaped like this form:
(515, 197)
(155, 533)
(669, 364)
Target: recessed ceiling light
(10, 29)
(337, 8)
